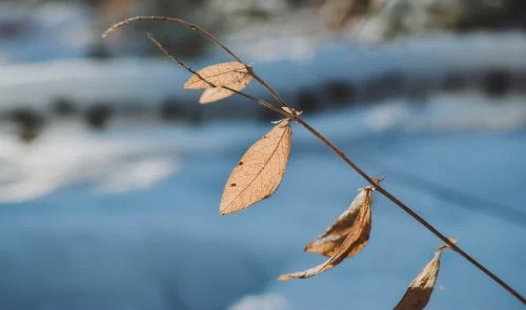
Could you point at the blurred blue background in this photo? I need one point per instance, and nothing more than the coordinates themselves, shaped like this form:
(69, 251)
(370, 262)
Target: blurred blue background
(112, 174)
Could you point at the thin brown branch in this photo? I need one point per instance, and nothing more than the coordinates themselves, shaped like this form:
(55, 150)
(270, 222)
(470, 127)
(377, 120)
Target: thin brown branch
(270, 90)
(172, 20)
(175, 58)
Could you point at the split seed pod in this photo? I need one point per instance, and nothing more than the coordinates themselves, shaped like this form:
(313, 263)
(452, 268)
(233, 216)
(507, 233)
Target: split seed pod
(420, 289)
(345, 238)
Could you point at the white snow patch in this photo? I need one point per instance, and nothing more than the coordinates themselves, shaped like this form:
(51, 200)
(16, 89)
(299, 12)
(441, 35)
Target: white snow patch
(445, 112)
(65, 156)
(139, 174)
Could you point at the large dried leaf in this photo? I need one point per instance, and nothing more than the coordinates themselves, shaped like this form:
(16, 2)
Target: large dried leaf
(330, 241)
(217, 93)
(223, 74)
(258, 174)
(419, 291)
(353, 243)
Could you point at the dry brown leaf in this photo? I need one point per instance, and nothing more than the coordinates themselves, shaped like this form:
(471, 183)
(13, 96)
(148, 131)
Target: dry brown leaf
(330, 241)
(258, 174)
(217, 93)
(223, 74)
(354, 241)
(419, 291)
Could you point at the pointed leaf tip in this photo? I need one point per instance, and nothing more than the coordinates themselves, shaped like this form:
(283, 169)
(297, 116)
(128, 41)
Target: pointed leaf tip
(420, 289)
(259, 172)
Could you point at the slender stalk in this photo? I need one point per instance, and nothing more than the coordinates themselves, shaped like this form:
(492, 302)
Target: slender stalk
(271, 91)
(295, 116)
(172, 20)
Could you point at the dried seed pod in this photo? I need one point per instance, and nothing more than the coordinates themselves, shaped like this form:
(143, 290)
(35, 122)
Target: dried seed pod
(420, 289)
(330, 241)
(338, 241)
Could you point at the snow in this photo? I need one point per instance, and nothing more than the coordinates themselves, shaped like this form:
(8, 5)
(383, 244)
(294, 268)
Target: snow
(59, 160)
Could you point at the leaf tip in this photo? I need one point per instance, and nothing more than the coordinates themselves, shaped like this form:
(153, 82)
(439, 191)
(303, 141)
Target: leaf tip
(229, 208)
(284, 277)
(224, 211)
(311, 248)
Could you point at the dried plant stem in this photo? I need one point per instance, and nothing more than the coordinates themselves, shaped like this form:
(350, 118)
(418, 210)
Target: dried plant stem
(172, 20)
(271, 91)
(295, 117)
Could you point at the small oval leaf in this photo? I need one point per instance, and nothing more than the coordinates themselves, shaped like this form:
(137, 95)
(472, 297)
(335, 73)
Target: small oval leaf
(217, 93)
(259, 172)
(223, 74)
(354, 241)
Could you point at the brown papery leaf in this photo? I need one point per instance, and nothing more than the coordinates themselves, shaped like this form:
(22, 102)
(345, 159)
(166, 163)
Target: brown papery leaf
(258, 174)
(354, 241)
(419, 291)
(217, 93)
(330, 241)
(223, 74)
